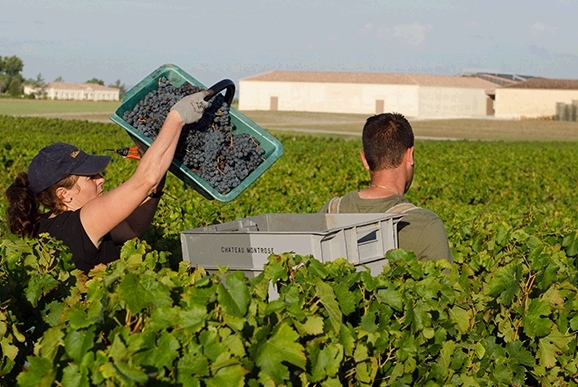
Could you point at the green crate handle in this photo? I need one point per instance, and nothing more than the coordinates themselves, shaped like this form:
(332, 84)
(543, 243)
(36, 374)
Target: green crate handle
(220, 86)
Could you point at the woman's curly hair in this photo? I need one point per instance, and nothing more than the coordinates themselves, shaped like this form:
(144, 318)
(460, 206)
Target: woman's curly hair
(24, 206)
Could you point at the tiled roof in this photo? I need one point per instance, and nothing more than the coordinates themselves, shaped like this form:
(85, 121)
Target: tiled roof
(373, 78)
(547, 83)
(78, 86)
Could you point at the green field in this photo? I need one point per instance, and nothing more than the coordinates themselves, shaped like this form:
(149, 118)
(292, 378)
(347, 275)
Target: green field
(17, 107)
(325, 123)
(505, 314)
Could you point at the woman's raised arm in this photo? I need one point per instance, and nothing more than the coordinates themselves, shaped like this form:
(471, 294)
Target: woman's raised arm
(103, 213)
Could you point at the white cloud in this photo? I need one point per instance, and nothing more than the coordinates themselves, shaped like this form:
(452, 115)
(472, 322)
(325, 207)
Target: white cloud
(29, 49)
(411, 34)
(332, 37)
(366, 29)
(540, 28)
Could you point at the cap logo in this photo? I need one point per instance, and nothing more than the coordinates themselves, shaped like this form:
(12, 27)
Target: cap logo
(74, 154)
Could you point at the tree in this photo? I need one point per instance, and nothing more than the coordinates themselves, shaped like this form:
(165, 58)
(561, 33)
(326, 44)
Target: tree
(39, 85)
(13, 66)
(120, 86)
(15, 88)
(4, 82)
(40, 80)
(96, 80)
(36, 82)
(59, 79)
(10, 78)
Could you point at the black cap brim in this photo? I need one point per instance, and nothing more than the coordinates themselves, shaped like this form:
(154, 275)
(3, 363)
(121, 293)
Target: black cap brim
(91, 166)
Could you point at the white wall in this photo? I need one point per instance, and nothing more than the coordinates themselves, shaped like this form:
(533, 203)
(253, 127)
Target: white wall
(328, 97)
(452, 102)
(530, 103)
(78, 94)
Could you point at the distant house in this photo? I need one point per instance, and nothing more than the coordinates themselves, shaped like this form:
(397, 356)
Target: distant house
(76, 91)
(414, 95)
(537, 97)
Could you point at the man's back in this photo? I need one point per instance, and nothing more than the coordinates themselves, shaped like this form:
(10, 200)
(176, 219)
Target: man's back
(420, 230)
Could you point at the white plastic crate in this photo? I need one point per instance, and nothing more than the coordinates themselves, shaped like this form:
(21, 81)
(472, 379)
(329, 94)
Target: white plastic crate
(245, 244)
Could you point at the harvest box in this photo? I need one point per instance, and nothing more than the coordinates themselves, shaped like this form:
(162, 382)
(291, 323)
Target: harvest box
(272, 147)
(245, 244)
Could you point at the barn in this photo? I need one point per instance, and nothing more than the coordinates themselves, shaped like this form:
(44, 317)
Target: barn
(414, 95)
(535, 98)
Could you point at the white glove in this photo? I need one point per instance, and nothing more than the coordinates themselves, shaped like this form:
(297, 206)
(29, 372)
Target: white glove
(192, 107)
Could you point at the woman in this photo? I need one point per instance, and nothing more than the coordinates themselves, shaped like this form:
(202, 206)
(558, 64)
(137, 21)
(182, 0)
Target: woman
(69, 183)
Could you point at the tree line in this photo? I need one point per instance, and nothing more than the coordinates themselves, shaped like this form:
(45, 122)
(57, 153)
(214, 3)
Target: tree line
(12, 82)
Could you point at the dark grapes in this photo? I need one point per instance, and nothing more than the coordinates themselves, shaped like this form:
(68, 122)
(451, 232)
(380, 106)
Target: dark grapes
(208, 147)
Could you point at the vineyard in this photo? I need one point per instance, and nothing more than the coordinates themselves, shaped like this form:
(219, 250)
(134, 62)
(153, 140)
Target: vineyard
(505, 314)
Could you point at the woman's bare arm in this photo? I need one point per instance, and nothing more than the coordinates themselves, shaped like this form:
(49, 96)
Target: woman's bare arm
(102, 214)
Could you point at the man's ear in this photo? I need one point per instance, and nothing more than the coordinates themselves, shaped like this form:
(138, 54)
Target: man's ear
(409, 155)
(364, 160)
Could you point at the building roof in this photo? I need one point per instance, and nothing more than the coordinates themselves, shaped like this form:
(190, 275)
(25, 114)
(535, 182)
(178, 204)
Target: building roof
(78, 86)
(546, 83)
(373, 78)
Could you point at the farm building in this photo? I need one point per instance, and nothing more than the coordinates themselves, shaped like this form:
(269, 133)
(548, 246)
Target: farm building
(534, 98)
(414, 95)
(76, 91)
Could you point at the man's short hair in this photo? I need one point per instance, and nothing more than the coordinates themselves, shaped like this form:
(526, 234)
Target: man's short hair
(386, 137)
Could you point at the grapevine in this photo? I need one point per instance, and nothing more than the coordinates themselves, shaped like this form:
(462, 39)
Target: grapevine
(209, 147)
(506, 314)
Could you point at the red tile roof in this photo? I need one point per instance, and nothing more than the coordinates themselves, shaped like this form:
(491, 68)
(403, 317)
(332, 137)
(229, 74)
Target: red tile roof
(546, 83)
(373, 78)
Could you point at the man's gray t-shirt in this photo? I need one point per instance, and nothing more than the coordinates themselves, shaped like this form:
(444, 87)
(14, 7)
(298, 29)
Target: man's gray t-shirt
(420, 230)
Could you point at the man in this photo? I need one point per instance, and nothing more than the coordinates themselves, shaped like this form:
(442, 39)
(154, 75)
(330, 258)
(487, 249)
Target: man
(388, 146)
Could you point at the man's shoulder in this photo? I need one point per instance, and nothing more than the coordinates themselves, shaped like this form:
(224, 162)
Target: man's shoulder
(423, 213)
(352, 203)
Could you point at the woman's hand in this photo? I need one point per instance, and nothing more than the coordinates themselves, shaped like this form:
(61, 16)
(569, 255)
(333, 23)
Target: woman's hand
(192, 107)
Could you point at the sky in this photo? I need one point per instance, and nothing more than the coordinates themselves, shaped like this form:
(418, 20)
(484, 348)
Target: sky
(216, 39)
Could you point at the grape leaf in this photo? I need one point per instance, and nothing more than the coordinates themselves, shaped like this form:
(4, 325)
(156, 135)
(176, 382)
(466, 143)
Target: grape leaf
(281, 347)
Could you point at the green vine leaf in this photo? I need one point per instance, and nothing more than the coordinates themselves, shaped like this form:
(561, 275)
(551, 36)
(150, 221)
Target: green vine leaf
(78, 343)
(533, 323)
(236, 298)
(504, 284)
(326, 362)
(281, 347)
(233, 375)
(327, 297)
(39, 373)
(550, 346)
(38, 286)
(461, 317)
(74, 375)
(50, 343)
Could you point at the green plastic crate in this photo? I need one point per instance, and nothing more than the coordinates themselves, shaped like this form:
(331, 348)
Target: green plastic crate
(273, 148)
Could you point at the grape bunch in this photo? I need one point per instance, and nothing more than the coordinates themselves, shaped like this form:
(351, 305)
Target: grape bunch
(209, 147)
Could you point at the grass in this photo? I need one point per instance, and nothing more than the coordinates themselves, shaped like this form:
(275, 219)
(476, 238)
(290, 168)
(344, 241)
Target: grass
(468, 129)
(297, 123)
(498, 130)
(30, 107)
